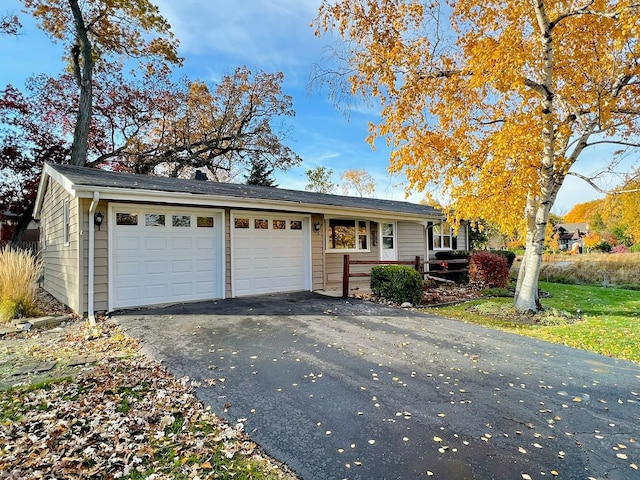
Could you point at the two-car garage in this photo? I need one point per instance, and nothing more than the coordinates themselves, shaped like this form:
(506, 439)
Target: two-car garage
(171, 254)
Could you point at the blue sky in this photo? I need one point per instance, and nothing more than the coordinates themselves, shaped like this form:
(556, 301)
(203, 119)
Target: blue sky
(217, 36)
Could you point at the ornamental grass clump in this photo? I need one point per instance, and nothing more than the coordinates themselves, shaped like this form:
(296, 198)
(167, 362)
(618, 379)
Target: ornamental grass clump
(19, 273)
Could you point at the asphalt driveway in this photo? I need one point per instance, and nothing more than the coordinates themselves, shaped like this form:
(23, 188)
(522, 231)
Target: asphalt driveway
(341, 388)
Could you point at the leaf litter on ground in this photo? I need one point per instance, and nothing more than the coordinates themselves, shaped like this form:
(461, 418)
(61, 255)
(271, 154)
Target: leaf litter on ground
(125, 416)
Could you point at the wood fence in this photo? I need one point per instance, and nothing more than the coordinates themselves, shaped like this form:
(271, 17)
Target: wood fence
(347, 262)
(461, 266)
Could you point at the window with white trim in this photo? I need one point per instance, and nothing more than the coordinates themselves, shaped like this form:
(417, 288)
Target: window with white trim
(66, 223)
(444, 237)
(347, 234)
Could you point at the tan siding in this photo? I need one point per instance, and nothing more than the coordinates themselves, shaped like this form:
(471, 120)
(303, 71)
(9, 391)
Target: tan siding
(101, 258)
(411, 241)
(227, 250)
(317, 254)
(61, 260)
(462, 237)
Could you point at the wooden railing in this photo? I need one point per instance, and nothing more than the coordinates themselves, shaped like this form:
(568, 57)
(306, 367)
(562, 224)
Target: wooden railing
(463, 262)
(417, 264)
(346, 271)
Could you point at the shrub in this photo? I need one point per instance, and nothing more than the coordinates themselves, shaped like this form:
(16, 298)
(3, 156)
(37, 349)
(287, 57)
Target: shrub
(397, 283)
(509, 255)
(19, 272)
(620, 249)
(488, 269)
(635, 248)
(451, 254)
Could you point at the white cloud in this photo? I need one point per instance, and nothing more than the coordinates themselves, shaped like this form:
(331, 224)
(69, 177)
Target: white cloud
(257, 33)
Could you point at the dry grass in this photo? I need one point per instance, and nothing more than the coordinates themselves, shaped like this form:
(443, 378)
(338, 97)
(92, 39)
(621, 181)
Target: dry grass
(19, 272)
(605, 269)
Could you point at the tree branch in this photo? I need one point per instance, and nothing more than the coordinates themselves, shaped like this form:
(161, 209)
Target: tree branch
(598, 189)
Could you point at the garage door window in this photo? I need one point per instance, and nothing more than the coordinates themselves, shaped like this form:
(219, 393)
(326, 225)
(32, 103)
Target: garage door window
(279, 224)
(126, 219)
(153, 220)
(181, 221)
(241, 223)
(261, 224)
(295, 225)
(205, 222)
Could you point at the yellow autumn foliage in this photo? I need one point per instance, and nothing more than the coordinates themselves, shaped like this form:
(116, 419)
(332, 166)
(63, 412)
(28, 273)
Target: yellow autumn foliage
(485, 111)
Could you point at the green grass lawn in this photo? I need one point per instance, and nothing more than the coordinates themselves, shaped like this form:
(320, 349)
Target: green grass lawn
(601, 320)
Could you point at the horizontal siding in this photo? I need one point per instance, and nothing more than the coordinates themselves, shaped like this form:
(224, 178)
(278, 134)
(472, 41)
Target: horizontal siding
(317, 254)
(227, 250)
(101, 257)
(463, 243)
(411, 241)
(61, 261)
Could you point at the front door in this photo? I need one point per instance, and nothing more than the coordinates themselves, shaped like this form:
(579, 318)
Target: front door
(388, 247)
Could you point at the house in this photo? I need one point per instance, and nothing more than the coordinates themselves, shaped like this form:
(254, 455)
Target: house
(570, 234)
(116, 240)
(8, 222)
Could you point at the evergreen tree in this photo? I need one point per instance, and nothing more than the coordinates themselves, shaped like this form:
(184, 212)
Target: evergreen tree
(261, 174)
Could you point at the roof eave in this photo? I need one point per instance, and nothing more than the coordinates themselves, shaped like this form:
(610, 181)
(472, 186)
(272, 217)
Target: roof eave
(183, 198)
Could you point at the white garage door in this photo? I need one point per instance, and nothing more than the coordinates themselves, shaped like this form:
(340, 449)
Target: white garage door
(271, 253)
(163, 255)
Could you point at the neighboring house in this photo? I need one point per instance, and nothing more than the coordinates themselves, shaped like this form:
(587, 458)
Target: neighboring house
(570, 234)
(8, 225)
(165, 240)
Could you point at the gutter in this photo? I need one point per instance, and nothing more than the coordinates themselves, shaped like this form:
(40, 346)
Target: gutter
(91, 265)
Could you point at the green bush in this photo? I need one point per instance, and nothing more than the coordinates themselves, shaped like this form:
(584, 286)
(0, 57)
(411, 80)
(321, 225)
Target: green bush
(19, 272)
(509, 255)
(635, 248)
(397, 283)
(488, 269)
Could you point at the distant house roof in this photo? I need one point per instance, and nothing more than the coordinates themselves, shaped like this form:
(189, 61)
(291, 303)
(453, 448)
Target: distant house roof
(572, 231)
(83, 181)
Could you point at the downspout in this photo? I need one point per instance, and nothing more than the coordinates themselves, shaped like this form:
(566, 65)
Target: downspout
(91, 265)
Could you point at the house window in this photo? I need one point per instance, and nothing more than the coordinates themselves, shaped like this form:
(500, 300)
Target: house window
(43, 233)
(444, 237)
(66, 223)
(347, 234)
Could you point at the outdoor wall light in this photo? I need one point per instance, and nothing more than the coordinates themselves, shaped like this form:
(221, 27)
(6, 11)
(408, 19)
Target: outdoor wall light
(317, 226)
(98, 218)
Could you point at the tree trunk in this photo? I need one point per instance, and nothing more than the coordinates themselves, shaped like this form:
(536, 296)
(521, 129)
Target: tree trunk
(23, 223)
(83, 71)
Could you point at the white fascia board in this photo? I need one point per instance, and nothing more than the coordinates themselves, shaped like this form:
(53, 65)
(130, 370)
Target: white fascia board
(50, 173)
(178, 198)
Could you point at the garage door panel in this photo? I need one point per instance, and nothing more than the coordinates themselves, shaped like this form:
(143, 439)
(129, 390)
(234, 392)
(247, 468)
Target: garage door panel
(155, 243)
(181, 243)
(155, 267)
(181, 266)
(154, 264)
(267, 260)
